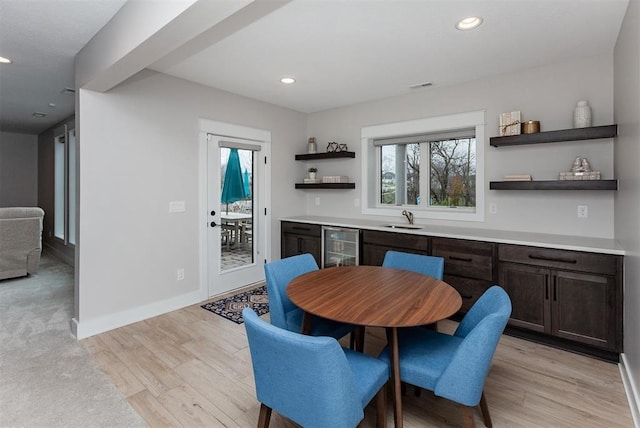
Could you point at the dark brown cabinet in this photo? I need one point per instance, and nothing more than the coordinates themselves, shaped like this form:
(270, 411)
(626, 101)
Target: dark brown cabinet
(469, 266)
(568, 299)
(375, 245)
(571, 296)
(300, 238)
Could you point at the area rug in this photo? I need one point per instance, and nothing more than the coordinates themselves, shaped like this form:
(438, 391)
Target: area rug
(231, 307)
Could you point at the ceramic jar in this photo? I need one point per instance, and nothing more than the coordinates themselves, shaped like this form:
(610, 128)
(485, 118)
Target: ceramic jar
(312, 147)
(582, 115)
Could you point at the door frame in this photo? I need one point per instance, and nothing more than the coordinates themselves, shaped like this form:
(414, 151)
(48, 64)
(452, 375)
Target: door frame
(207, 126)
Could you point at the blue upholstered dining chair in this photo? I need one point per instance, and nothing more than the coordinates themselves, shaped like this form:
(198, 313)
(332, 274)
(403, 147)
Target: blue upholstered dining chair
(312, 380)
(282, 311)
(456, 366)
(426, 265)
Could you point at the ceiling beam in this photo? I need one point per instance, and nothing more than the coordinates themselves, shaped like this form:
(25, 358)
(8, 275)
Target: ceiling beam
(174, 34)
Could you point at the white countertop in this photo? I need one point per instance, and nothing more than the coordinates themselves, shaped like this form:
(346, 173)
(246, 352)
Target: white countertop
(561, 242)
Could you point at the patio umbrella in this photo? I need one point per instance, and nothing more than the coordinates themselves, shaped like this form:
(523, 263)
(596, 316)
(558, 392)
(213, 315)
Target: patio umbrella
(233, 187)
(247, 184)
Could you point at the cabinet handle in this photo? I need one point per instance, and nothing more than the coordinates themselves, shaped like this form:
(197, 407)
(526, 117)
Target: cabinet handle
(299, 245)
(555, 288)
(553, 259)
(300, 228)
(461, 259)
(465, 296)
(546, 287)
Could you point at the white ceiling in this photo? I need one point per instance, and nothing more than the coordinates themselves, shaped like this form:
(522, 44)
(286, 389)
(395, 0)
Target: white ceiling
(341, 52)
(42, 37)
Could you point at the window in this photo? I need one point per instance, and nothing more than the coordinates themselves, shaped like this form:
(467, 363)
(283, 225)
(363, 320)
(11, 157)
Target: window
(429, 166)
(64, 217)
(448, 167)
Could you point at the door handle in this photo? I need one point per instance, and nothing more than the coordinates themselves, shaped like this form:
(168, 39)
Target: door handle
(214, 224)
(213, 213)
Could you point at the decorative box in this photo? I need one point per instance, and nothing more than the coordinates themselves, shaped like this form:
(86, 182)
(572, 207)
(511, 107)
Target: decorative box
(590, 175)
(510, 123)
(335, 178)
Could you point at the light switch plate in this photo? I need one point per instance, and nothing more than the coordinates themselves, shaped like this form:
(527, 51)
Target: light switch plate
(176, 206)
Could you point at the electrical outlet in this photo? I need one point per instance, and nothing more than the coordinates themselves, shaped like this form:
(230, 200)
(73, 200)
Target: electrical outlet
(583, 211)
(493, 208)
(180, 274)
(356, 202)
(317, 200)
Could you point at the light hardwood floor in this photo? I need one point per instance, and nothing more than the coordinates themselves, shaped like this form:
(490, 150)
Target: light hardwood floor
(192, 368)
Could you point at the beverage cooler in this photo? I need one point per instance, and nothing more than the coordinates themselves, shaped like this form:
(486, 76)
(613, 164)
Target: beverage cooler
(340, 246)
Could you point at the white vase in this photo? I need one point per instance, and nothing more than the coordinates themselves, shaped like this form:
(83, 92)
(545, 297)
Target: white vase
(312, 175)
(582, 115)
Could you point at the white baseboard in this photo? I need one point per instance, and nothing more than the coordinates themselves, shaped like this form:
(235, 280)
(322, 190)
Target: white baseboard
(86, 328)
(631, 388)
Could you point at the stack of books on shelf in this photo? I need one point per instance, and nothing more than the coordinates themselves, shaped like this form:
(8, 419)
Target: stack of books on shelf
(312, 180)
(335, 178)
(517, 177)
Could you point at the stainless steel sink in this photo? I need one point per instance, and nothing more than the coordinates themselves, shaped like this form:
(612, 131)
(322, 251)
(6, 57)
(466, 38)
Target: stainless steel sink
(403, 226)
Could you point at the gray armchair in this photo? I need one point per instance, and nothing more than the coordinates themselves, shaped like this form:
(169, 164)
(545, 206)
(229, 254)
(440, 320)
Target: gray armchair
(20, 241)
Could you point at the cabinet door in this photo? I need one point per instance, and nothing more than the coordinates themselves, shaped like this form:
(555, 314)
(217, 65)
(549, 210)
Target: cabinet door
(373, 255)
(584, 308)
(293, 245)
(470, 289)
(528, 288)
(300, 238)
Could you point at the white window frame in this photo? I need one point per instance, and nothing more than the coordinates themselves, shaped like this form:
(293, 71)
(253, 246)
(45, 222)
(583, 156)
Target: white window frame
(65, 175)
(371, 174)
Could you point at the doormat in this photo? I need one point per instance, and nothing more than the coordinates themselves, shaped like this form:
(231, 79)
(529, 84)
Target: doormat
(231, 307)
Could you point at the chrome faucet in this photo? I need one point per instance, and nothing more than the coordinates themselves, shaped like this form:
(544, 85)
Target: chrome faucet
(408, 215)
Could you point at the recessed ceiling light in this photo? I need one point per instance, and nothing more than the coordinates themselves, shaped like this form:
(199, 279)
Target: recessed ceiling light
(39, 114)
(288, 80)
(469, 23)
(4, 60)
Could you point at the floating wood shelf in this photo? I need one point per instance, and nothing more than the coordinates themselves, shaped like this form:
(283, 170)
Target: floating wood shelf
(327, 155)
(555, 185)
(325, 186)
(591, 133)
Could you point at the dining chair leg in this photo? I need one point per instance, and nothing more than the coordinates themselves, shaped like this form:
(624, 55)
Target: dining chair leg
(381, 407)
(467, 417)
(265, 416)
(360, 338)
(485, 411)
(416, 391)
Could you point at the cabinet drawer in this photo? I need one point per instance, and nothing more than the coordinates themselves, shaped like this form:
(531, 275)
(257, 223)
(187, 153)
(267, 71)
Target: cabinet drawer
(560, 259)
(301, 228)
(417, 243)
(470, 289)
(470, 259)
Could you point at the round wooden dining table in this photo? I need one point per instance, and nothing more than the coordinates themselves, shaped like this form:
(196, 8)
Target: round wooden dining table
(375, 296)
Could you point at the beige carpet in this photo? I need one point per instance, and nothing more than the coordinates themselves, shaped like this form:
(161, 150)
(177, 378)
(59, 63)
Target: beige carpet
(47, 379)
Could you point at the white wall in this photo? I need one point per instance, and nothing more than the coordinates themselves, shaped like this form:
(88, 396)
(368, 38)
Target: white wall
(138, 152)
(18, 170)
(627, 200)
(548, 94)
